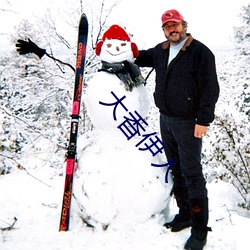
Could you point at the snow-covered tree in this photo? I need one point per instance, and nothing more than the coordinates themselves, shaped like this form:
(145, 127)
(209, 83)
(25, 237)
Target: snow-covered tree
(230, 154)
(36, 95)
(242, 33)
(34, 104)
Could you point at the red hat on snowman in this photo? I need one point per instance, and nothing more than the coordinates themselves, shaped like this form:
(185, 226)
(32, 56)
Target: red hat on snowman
(118, 33)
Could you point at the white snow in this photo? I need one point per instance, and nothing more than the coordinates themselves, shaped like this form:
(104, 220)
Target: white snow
(115, 182)
(37, 208)
(101, 115)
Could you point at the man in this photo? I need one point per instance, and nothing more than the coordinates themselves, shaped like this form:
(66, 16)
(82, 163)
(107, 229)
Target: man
(186, 92)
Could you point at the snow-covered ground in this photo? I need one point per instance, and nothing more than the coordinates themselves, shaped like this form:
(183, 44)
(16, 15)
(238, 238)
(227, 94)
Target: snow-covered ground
(37, 208)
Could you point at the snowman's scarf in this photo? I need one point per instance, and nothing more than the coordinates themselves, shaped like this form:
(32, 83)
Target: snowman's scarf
(128, 72)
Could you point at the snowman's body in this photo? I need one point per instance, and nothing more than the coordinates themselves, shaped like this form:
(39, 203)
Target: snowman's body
(115, 182)
(99, 90)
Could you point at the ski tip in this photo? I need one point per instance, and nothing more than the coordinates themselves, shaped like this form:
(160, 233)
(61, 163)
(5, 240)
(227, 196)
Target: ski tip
(83, 20)
(84, 16)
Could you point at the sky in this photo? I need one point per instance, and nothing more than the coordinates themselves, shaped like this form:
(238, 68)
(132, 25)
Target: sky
(211, 21)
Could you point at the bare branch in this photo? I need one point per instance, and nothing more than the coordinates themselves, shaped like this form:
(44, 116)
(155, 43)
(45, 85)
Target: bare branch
(19, 166)
(1, 9)
(57, 60)
(102, 21)
(237, 150)
(10, 227)
(30, 127)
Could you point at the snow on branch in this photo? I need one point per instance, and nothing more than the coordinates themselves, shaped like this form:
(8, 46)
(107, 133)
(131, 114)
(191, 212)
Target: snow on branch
(10, 227)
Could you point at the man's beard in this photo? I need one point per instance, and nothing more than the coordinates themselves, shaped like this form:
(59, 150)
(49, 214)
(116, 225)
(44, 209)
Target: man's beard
(182, 36)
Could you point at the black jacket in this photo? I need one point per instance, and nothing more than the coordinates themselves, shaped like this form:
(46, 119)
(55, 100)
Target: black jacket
(188, 87)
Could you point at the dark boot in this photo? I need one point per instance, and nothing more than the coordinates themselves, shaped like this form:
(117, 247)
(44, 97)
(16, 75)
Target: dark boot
(199, 215)
(182, 220)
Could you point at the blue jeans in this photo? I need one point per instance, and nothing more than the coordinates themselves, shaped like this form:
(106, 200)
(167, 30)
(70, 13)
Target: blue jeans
(180, 143)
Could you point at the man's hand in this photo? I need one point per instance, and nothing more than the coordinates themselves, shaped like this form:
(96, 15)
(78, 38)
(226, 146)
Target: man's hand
(200, 131)
(24, 47)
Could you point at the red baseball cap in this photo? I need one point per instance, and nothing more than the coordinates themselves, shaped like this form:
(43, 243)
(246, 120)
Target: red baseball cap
(171, 16)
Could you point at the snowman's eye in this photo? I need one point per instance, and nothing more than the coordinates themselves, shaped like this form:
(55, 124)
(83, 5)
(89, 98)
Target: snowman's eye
(109, 45)
(123, 44)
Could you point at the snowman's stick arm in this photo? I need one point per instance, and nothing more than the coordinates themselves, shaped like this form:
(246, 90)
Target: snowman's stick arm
(25, 47)
(57, 60)
(149, 73)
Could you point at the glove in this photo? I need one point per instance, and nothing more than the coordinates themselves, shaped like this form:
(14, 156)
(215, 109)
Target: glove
(24, 47)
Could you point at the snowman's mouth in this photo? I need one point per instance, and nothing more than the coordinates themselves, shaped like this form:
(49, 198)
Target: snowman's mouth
(115, 54)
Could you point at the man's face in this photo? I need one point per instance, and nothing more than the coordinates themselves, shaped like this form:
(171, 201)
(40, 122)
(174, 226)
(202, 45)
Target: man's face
(174, 32)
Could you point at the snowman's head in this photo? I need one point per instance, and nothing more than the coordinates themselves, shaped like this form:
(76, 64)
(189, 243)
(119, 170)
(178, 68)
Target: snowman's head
(116, 46)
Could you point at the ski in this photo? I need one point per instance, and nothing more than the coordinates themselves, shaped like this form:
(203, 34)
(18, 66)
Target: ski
(71, 160)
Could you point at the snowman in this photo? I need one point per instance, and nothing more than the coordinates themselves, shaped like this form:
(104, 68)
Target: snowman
(119, 75)
(115, 184)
